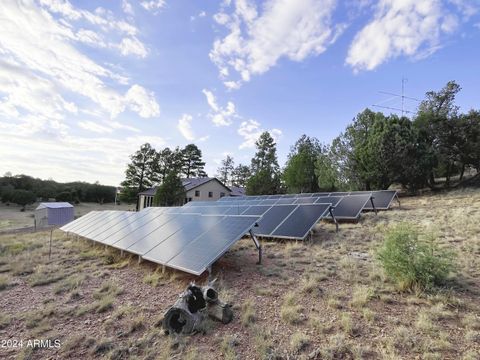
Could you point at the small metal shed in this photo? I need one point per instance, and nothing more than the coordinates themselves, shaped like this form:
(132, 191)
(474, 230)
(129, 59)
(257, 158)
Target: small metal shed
(53, 213)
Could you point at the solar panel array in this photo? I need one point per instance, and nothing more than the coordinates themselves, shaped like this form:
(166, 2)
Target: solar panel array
(168, 236)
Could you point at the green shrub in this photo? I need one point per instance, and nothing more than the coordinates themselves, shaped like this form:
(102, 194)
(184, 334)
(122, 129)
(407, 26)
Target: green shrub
(413, 260)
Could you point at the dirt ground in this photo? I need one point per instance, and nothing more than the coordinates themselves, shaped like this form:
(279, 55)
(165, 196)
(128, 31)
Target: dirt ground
(323, 299)
(12, 218)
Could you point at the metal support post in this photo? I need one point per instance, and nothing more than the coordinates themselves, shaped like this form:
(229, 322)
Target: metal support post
(330, 210)
(258, 246)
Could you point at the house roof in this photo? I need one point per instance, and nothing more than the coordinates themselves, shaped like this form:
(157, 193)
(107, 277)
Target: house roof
(188, 184)
(237, 191)
(54, 205)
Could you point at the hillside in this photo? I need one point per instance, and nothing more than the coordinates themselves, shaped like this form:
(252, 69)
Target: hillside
(327, 298)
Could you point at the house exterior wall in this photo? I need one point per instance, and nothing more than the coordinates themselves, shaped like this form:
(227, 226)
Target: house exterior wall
(212, 186)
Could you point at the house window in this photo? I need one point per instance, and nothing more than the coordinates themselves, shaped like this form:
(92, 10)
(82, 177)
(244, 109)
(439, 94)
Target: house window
(222, 194)
(197, 193)
(210, 194)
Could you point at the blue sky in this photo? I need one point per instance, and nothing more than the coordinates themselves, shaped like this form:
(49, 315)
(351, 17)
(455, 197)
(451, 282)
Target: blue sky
(84, 83)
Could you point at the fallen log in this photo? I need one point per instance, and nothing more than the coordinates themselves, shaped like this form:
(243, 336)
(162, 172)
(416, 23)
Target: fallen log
(192, 308)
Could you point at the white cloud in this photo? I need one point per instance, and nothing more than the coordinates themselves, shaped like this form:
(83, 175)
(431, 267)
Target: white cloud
(132, 46)
(411, 28)
(94, 127)
(220, 116)
(90, 37)
(142, 101)
(153, 5)
(185, 127)
(127, 7)
(293, 29)
(251, 130)
(36, 46)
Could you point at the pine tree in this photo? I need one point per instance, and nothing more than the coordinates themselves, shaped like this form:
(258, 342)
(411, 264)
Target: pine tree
(240, 175)
(192, 164)
(265, 169)
(140, 173)
(225, 171)
(171, 191)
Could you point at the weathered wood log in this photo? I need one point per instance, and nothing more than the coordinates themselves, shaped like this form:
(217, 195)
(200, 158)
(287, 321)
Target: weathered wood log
(191, 309)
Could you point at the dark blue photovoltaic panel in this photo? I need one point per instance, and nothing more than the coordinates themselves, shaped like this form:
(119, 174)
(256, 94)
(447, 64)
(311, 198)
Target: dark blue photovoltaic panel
(321, 194)
(269, 202)
(174, 244)
(350, 207)
(339, 193)
(200, 253)
(306, 200)
(303, 195)
(381, 199)
(286, 201)
(79, 221)
(272, 218)
(301, 221)
(95, 232)
(237, 210)
(334, 200)
(141, 230)
(98, 221)
(256, 210)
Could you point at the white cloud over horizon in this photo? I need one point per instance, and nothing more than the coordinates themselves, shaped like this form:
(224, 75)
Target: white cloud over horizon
(258, 38)
(221, 116)
(250, 131)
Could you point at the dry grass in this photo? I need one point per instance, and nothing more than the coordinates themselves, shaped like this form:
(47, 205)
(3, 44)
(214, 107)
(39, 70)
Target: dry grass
(290, 311)
(328, 298)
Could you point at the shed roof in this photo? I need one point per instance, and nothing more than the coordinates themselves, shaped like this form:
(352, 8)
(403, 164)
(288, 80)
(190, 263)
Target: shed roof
(54, 205)
(188, 184)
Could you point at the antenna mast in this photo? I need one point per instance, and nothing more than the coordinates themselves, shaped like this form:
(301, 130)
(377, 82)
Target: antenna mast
(395, 96)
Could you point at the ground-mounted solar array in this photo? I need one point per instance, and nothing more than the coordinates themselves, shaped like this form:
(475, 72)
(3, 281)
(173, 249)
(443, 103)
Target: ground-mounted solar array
(190, 242)
(190, 238)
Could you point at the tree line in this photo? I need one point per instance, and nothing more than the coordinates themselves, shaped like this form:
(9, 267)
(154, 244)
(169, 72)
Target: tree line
(373, 152)
(24, 190)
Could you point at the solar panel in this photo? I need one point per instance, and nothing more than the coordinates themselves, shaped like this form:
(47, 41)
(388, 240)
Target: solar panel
(81, 220)
(288, 196)
(127, 237)
(96, 221)
(350, 207)
(381, 199)
(273, 197)
(301, 221)
(94, 233)
(168, 247)
(288, 201)
(272, 218)
(269, 202)
(237, 210)
(339, 193)
(256, 210)
(303, 195)
(334, 200)
(156, 234)
(306, 200)
(321, 194)
(197, 256)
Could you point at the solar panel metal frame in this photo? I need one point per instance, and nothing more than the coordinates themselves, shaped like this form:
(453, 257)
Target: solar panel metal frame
(301, 207)
(305, 200)
(76, 222)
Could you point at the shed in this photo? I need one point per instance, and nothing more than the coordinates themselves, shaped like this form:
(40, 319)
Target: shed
(53, 213)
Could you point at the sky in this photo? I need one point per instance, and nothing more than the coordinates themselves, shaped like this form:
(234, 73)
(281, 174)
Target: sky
(84, 83)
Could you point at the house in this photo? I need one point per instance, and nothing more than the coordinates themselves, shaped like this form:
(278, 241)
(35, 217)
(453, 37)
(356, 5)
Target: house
(196, 189)
(53, 213)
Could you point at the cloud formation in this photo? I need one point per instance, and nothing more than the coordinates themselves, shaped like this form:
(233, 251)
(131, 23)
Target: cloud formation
(221, 116)
(251, 130)
(411, 28)
(256, 41)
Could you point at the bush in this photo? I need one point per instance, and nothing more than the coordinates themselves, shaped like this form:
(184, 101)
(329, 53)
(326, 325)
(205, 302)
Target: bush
(412, 259)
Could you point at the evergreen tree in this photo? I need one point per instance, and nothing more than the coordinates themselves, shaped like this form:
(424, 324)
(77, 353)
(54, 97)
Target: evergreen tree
(240, 175)
(192, 164)
(168, 160)
(265, 169)
(170, 192)
(299, 173)
(141, 172)
(225, 171)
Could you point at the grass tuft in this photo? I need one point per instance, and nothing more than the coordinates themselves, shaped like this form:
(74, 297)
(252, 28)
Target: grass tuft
(248, 313)
(299, 342)
(290, 312)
